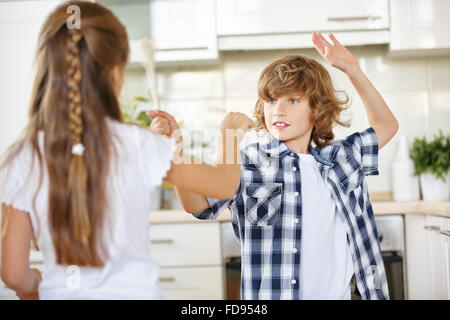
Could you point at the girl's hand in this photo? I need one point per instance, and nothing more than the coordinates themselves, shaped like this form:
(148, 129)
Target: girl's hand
(160, 125)
(172, 130)
(336, 54)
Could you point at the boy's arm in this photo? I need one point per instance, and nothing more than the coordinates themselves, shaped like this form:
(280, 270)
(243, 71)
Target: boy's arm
(195, 182)
(194, 203)
(379, 115)
(191, 202)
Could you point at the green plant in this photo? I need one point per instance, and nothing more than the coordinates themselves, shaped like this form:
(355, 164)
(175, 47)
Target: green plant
(432, 157)
(131, 114)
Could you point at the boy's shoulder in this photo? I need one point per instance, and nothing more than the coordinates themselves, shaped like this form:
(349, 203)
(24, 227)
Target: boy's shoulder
(339, 149)
(351, 147)
(254, 154)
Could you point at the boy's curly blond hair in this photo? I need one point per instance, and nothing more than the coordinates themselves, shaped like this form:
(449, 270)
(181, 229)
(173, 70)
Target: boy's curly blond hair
(296, 73)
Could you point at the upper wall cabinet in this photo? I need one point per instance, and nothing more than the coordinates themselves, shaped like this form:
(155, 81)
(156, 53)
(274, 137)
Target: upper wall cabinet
(420, 27)
(268, 24)
(183, 31)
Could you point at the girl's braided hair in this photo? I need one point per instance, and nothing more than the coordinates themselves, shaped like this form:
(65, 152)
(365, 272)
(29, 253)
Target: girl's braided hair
(73, 94)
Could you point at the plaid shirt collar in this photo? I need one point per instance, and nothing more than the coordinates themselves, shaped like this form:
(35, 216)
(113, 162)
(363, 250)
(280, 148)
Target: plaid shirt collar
(275, 148)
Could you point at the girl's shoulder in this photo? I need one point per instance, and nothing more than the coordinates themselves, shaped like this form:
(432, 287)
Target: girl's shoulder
(133, 133)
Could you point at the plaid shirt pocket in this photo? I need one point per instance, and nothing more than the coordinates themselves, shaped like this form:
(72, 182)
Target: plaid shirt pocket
(262, 203)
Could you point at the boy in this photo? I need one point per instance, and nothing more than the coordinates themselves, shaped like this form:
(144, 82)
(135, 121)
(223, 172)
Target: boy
(302, 214)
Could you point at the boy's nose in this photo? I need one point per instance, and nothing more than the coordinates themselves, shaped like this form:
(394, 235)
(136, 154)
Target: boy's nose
(279, 108)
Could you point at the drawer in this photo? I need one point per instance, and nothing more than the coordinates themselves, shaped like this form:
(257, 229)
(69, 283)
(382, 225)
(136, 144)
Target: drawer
(186, 244)
(197, 283)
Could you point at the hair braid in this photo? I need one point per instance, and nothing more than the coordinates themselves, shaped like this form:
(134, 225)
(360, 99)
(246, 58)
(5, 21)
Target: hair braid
(73, 82)
(78, 176)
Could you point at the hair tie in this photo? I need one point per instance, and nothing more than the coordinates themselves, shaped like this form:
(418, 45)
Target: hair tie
(78, 149)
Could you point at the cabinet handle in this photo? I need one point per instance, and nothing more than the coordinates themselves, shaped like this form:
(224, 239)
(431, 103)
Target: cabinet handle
(446, 233)
(432, 228)
(161, 241)
(355, 18)
(168, 279)
(180, 49)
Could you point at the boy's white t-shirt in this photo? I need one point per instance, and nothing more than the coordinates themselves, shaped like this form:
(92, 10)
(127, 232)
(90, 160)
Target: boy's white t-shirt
(326, 266)
(130, 273)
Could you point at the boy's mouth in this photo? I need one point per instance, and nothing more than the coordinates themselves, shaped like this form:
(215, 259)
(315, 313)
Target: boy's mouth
(280, 125)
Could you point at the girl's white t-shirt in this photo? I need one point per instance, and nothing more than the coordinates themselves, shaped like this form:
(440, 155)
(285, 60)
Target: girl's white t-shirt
(326, 266)
(143, 159)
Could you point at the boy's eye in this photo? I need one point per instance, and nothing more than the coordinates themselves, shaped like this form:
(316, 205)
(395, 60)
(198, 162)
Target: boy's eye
(271, 100)
(293, 100)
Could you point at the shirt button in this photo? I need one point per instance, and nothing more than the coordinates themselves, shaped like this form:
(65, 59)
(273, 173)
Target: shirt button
(296, 193)
(294, 250)
(296, 220)
(292, 154)
(294, 169)
(293, 281)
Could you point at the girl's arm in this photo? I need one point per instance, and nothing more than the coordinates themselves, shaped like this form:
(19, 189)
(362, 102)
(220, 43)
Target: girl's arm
(15, 265)
(379, 115)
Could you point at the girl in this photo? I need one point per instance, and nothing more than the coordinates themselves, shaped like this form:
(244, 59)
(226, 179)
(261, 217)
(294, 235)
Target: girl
(79, 180)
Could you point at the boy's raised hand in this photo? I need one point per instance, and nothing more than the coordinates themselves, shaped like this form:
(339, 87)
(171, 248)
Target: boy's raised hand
(236, 121)
(335, 53)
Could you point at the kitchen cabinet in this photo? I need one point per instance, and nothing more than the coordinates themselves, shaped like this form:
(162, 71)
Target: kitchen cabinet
(446, 238)
(427, 257)
(182, 31)
(266, 24)
(435, 256)
(190, 260)
(419, 27)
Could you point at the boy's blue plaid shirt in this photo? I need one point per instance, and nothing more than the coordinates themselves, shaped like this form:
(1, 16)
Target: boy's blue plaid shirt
(267, 214)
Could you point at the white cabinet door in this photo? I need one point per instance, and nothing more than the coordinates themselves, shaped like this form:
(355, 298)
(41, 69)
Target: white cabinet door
(417, 268)
(420, 27)
(186, 244)
(190, 260)
(183, 29)
(178, 24)
(199, 283)
(446, 239)
(435, 256)
(240, 17)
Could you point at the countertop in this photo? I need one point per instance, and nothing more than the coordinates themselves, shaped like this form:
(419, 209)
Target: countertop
(441, 209)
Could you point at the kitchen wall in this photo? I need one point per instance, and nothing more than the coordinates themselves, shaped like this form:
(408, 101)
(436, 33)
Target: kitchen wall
(416, 89)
